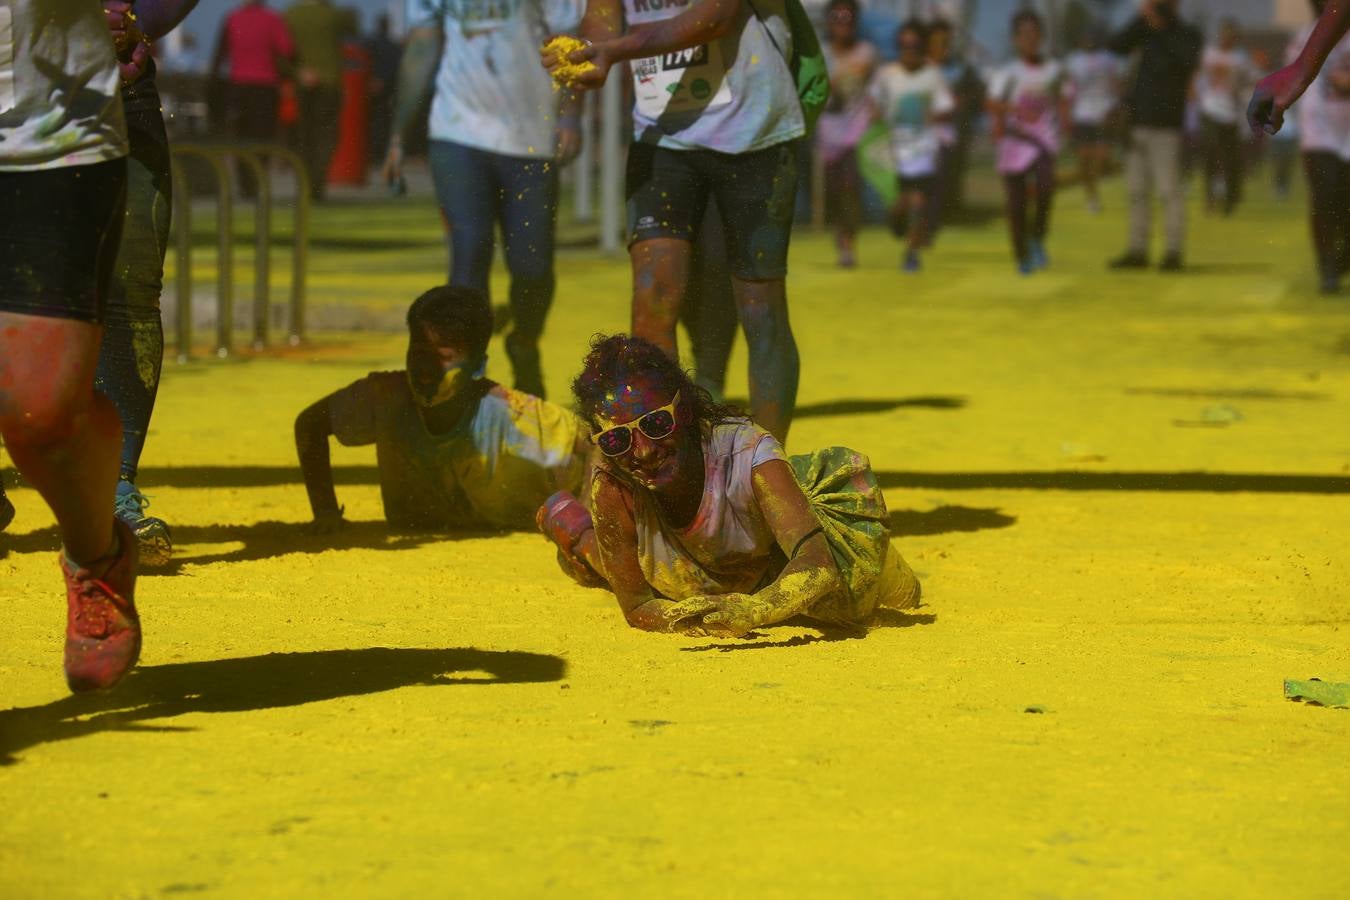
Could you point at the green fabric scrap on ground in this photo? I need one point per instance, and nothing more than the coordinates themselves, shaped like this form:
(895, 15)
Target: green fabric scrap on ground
(1321, 693)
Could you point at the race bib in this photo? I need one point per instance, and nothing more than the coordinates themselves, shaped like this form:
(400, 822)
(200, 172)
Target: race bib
(682, 81)
(7, 93)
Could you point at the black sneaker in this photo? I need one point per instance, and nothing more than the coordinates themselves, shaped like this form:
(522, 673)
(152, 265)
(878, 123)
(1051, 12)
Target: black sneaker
(1131, 259)
(1171, 263)
(6, 511)
(152, 535)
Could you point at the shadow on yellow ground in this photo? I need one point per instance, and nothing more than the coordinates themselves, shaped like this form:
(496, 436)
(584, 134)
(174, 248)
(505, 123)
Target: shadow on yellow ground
(253, 683)
(201, 544)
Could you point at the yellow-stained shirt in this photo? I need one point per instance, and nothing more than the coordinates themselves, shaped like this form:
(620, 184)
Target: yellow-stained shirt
(494, 470)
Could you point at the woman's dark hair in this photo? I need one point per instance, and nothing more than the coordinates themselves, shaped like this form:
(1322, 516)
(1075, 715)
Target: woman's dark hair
(937, 25)
(915, 26)
(459, 315)
(616, 357)
(1022, 16)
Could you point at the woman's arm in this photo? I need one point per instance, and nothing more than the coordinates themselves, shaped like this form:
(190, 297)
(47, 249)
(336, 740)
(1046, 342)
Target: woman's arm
(416, 71)
(313, 427)
(616, 546)
(810, 576)
(1279, 90)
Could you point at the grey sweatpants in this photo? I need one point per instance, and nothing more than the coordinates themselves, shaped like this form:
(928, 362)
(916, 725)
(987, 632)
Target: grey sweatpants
(1153, 162)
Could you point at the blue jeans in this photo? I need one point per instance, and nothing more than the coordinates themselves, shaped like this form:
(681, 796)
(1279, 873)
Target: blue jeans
(477, 190)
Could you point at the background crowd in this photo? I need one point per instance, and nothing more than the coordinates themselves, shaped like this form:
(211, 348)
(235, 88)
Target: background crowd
(1160, 98)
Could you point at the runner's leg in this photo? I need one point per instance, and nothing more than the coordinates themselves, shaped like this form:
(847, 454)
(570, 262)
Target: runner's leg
(755, 193)
(1015, 189)
(132, 352)
(63, 436)
(1044, 173)
(528, 208)
(467, 191)
(709, 308)
(667, 197)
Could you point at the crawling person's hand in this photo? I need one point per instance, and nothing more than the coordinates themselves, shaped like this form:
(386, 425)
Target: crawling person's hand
(722, 615)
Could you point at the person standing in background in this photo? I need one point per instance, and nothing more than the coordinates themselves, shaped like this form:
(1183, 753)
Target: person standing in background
(851, 62)
(911, 98)
(499, 132)
(1094, 75)
(256, 43)
(319, 29)
(385, 53)
(1169, 51)
(956, 133)
(1323, 114)
(1225, 75)
(1028, 106)
(733, 135)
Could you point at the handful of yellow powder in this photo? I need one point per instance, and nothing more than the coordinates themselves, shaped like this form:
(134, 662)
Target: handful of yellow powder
(567, 73)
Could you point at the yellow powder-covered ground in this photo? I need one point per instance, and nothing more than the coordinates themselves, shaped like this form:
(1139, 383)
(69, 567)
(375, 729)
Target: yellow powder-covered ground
(1125, 495)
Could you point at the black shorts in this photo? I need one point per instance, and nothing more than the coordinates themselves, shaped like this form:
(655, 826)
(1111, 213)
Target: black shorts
(1089, 133)
(59, 234)
(924, 184)
(668, 191)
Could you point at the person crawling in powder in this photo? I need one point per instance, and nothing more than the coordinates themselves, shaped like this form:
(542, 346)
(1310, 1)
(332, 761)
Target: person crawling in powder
(454, 449)
(700, 523)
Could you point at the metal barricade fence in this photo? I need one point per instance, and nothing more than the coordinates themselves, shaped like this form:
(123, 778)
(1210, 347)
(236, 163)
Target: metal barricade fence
(255, 158)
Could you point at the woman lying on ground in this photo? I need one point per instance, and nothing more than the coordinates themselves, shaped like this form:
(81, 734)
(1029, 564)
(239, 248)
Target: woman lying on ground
(703, 525)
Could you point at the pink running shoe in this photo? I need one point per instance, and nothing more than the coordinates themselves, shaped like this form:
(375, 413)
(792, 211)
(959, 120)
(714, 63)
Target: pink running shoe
(103, 632)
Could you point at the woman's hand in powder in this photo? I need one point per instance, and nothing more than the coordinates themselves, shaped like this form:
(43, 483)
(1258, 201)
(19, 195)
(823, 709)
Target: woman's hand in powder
(724, 615)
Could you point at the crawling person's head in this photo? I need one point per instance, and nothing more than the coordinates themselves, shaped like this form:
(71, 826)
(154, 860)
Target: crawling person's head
(646, 414)
(448, 333)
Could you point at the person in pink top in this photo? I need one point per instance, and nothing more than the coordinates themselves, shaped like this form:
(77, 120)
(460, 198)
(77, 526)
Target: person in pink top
(254, 40)
(1028, 105)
